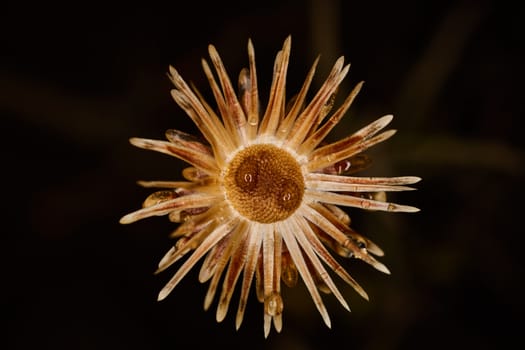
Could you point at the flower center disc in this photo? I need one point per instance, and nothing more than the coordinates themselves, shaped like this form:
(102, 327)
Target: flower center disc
(264, 183)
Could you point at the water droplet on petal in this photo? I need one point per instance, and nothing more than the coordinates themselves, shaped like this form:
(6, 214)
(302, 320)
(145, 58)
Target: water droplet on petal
(159, 197)
(289, 272)
(273, 304)
(365, 204)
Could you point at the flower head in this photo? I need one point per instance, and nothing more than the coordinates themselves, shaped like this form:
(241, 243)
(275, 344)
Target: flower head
(261, 199)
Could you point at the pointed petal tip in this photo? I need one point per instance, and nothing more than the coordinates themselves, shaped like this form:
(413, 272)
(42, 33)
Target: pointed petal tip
(163, 294)
(238, 323)
(359, 86)
(362, 293)
(328, 323)
(384, 120)
(416, 179)
(380, 267)
(399, 208)
(212, 51)
(409, 209)
(126, 219)
(266, 331)
(140, 142)
(409, 180)
(390, 133)
(220, 315)
(347, 308)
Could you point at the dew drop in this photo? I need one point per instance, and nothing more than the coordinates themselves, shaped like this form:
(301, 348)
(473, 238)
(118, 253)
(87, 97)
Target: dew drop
(361, 244)
(289, 272)
(180, 243)
(159, 197)
(273, 304)
(175, 216)
(379, 196)
(248, 177)
(343, 251)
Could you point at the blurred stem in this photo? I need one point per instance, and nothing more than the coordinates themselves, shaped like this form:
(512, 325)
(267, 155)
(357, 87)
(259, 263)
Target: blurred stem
(438, 61)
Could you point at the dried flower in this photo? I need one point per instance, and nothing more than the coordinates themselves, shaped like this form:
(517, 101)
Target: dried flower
(262, 194)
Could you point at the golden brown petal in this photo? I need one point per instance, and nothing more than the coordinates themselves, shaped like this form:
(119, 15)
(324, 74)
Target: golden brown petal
(197, 200)
(357, 202)
(287, 229)
(252, 256)
(319, 135)
(275, 107)
(298, 104)
(210, 241)
(197, 158)
(307, 118)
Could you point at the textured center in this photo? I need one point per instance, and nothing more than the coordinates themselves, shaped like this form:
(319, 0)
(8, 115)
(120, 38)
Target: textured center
(264, 183)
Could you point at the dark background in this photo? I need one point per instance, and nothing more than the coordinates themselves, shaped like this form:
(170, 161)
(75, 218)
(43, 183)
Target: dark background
(77, 80)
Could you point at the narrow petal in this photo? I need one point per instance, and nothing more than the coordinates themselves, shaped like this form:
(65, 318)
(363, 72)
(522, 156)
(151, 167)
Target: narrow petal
(252, 255)
(183, 246)
(387, 181)
(189, 141)
(223, 145)
(341, 184)
(357, 202)
(361, 242)
(211, 261)
(320, 221)
(273, 113)
(231, 242)
(291, 243)
(276, 301)
(355, 139)
(196, 158)
(235, 267)
(329, 259)
(268, 269)
(317, 265)
(191, 232)
(234, 119)
(322, 161)
(298, 105)
(202, 249)
(207, 123)
(316, 138)
(196, 200)
(165, 184)
(251, 95)
(307, 118)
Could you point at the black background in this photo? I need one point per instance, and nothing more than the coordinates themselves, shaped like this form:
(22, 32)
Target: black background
(77, 80)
